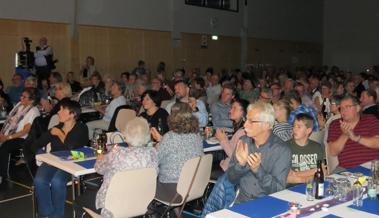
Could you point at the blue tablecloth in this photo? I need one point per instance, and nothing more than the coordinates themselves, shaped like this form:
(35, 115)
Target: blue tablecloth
(360, 169)
(266, 206)
(66, 154)
(369, 206)
(88, 164)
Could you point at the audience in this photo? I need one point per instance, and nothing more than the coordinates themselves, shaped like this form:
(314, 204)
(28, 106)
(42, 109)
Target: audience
(155, 116)
(353, 138)
(135, 156)
(181, 143)
(238, 115)
(220, 109)
(50, 182)
(305, 152)
(17, 126)
(107, 110)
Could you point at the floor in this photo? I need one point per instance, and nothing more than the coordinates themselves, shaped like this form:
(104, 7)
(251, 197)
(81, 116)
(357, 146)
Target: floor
(16, 199)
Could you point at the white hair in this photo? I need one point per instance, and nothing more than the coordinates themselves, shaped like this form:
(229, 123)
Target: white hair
(137, 132)
(267, 113)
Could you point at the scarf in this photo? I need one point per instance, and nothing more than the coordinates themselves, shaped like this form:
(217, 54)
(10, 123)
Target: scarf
(15, 116)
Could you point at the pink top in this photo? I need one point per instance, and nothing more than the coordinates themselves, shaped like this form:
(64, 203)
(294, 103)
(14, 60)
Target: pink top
(229, 146)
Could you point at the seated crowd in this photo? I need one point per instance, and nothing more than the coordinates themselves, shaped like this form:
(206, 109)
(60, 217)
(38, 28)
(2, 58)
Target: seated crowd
(273, 126)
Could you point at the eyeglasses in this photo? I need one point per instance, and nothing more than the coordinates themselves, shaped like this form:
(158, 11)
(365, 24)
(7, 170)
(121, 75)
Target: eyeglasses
(23, 96)
(347, 107)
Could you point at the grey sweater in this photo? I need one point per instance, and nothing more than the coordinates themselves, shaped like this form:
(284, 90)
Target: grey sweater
(272, 174)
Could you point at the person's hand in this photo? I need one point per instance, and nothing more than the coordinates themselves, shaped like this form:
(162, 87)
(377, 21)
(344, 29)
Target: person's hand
(242, 153)
(155, 134)
(3, 138)
(325, 169)
(346, 128)
(220, 135)
(55, 131)
(254, 161)
(99, 157)
(192, 103)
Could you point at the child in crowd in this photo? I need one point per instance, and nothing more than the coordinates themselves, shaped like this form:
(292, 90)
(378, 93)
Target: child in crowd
(305, 152)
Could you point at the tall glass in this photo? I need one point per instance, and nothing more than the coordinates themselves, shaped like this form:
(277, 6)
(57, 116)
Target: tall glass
(310, 190)
(375, 171)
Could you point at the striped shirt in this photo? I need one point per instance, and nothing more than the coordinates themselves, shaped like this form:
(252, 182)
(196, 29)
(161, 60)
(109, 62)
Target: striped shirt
(283, 131)
(354, 154)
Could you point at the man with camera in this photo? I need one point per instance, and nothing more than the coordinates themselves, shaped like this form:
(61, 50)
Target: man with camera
(43, 59)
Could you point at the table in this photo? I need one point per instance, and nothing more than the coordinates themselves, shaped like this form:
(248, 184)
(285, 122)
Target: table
(278, 204)
(74, 167)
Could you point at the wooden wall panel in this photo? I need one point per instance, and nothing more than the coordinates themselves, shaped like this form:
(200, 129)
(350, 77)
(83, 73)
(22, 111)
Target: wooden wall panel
(12, 32)
(118, 49)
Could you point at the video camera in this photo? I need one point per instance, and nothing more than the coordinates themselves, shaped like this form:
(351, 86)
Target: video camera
(25, 59)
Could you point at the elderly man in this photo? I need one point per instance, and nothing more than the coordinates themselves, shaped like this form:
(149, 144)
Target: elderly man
(182, 94)
(220, 109)
(354, 138)
(262, 160)
(43, 59)
(259, 166)
(107, 111)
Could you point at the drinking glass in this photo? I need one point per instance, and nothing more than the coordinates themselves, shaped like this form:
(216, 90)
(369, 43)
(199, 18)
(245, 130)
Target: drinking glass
(375, 171)
(358, 195)
(309, 190)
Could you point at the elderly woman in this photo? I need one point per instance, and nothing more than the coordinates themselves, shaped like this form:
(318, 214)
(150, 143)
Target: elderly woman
(40, 124)
(155, 116)
(17, 126)
(181, 143)
(238, 116)
(135, 156)
(50, 182)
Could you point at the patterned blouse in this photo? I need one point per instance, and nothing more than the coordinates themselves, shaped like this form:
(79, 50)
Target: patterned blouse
(173, 151)
(120, 159)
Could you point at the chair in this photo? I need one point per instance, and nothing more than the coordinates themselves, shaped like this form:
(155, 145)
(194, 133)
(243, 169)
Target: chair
(129, 193)
(123, 116)
(193, 180)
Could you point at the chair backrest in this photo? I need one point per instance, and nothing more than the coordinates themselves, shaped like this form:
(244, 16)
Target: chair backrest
(54, 120)
(130, 192)
(332, 161)
(318, 136)
(201, 178)
(123, 116)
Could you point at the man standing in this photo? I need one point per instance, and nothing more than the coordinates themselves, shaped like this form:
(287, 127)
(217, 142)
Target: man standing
(262, 160)
(43, 59)
(220, 109)
(353, 138)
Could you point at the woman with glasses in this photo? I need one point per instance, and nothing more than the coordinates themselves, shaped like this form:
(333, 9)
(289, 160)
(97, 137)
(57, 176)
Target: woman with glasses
(17, 126)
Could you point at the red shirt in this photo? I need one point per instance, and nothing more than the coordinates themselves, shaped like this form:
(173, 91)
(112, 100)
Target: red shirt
(354, 154)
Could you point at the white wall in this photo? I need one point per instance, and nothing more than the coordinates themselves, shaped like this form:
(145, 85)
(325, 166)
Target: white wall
(351, 34)
(296, 20)
(273, 19)
(38, 10)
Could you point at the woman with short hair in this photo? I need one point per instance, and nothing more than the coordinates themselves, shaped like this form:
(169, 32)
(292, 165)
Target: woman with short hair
(17, 126)
(181, 143)
(136, 156)
(154, 114)
(50, 182)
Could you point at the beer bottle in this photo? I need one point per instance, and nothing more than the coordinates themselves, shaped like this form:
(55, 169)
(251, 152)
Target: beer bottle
(319, 181)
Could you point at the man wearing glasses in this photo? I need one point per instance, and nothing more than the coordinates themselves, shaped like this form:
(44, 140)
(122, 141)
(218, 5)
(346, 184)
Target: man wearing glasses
(262, 160)
(354, 138)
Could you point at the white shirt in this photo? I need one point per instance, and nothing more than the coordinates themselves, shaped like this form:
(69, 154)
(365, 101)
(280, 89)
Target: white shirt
(28, 119)
(39, 56)
(115, 103)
